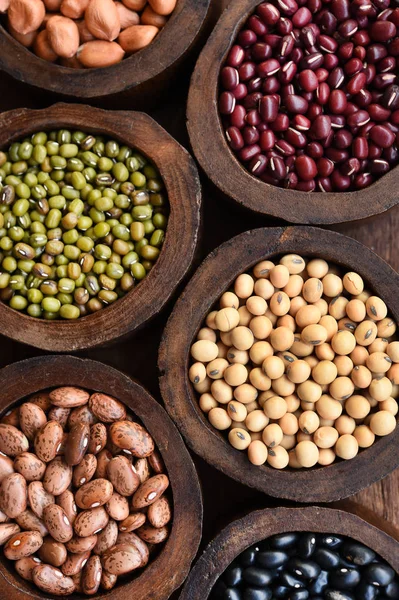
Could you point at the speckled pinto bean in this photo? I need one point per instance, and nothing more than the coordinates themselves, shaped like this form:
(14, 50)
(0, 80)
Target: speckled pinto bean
(122, 475)
(106, 538)
(31, 419)
(150, 491)
(90, 522)
(132, 437)
(106, 408)
(12, 440)
(94, 493)
(39, 498)
(52, 581)
(48, 441)
(13, 495)
(69, 397)
(23, 544)
(29, 465)
(121, 559)
(78, 478)
(57, 523)
(77, 443)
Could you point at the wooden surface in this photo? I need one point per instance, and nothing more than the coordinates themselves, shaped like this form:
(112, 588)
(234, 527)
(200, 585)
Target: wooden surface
(224, 499)
(215, 275)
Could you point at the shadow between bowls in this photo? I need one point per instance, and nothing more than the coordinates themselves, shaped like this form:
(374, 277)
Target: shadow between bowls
(210, 147)
(142, 75)
(183, 187)
(259, 525)
(214, 276)
(168, 571)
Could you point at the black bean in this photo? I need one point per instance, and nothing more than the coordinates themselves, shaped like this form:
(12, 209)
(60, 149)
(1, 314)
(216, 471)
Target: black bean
(366, 591)
(392, 590)
(257, 594)
(271, 559)
(379, 574)
(281, 591)
(319, 585)
(256, 576)
(298, 595)
(337, 595)
(344, 578)
(306, 545)
(304, 568)
(291, 581)
(327, 559)
(233, 576)
(330, 541)
(247, 558)
(283, 541)
(357, 554)
(231, 594)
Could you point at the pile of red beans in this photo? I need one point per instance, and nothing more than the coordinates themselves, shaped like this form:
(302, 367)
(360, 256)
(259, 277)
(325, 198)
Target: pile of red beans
(309, 96)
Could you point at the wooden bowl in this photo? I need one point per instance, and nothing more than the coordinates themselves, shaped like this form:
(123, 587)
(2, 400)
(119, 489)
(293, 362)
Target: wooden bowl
(215, 275)
(210, 147)
(184, 191)
(136, 79)
(168, 571)
(259, 525)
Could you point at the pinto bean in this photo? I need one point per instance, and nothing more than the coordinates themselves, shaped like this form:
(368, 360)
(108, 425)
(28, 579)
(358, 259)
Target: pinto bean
(123, 476)
(106, 408)
(23, 544)
(94, 493)
(28, 520)
(106, 538)
(52, 552)
(30, 466)
(48, 441)
(31, 419)
(77, 443)
(38, 498)
(24, 566)
(57, 477)
(69, 397)
(7, 530)
(92, 521)
(12, 440)
(52, 581)
(150, 491)
(13, 495)
(57, 522)
(132, 437)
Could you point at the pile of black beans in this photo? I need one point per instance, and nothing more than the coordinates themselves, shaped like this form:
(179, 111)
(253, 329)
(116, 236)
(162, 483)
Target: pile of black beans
(301, 566)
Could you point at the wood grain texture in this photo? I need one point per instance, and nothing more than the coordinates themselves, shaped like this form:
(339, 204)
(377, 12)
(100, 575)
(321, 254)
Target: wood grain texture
(259, 525)
(215, 275)
(171, 566)
(180, 176)
(208, 140)
(147, 72)
(224, 498)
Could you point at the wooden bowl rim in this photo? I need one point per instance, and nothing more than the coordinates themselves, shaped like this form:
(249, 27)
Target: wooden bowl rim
(143, 66)
(26, 377)
(217, 272)
(181, 179)
(261, 524)
(210, 147)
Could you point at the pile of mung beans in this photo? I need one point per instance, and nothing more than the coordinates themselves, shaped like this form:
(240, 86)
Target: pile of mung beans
(299, 363)
(82, 221)
(302, 566)
(84, 494)
(309, 93)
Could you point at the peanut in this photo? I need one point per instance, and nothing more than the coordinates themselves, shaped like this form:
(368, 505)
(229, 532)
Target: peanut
(150, 17)
(163, 7)
(26, 39)
(4, 4)
(63, 36)
(102, 20)
(135, 4)
(127, 17)
(53, 5)
(26, 16)
(100, 53)
(136, 37)
(84, 33)
(74, 9)
(42, 47)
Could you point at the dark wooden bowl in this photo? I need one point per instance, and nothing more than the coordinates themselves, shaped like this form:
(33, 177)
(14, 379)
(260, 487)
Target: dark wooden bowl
(259, 525)
(140, 76)
(210, 147)
(180, 176)
(168, 571)
(215, 275)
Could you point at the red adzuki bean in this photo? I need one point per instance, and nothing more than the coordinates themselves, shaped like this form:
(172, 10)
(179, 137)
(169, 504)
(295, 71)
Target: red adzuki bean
(309, 93)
